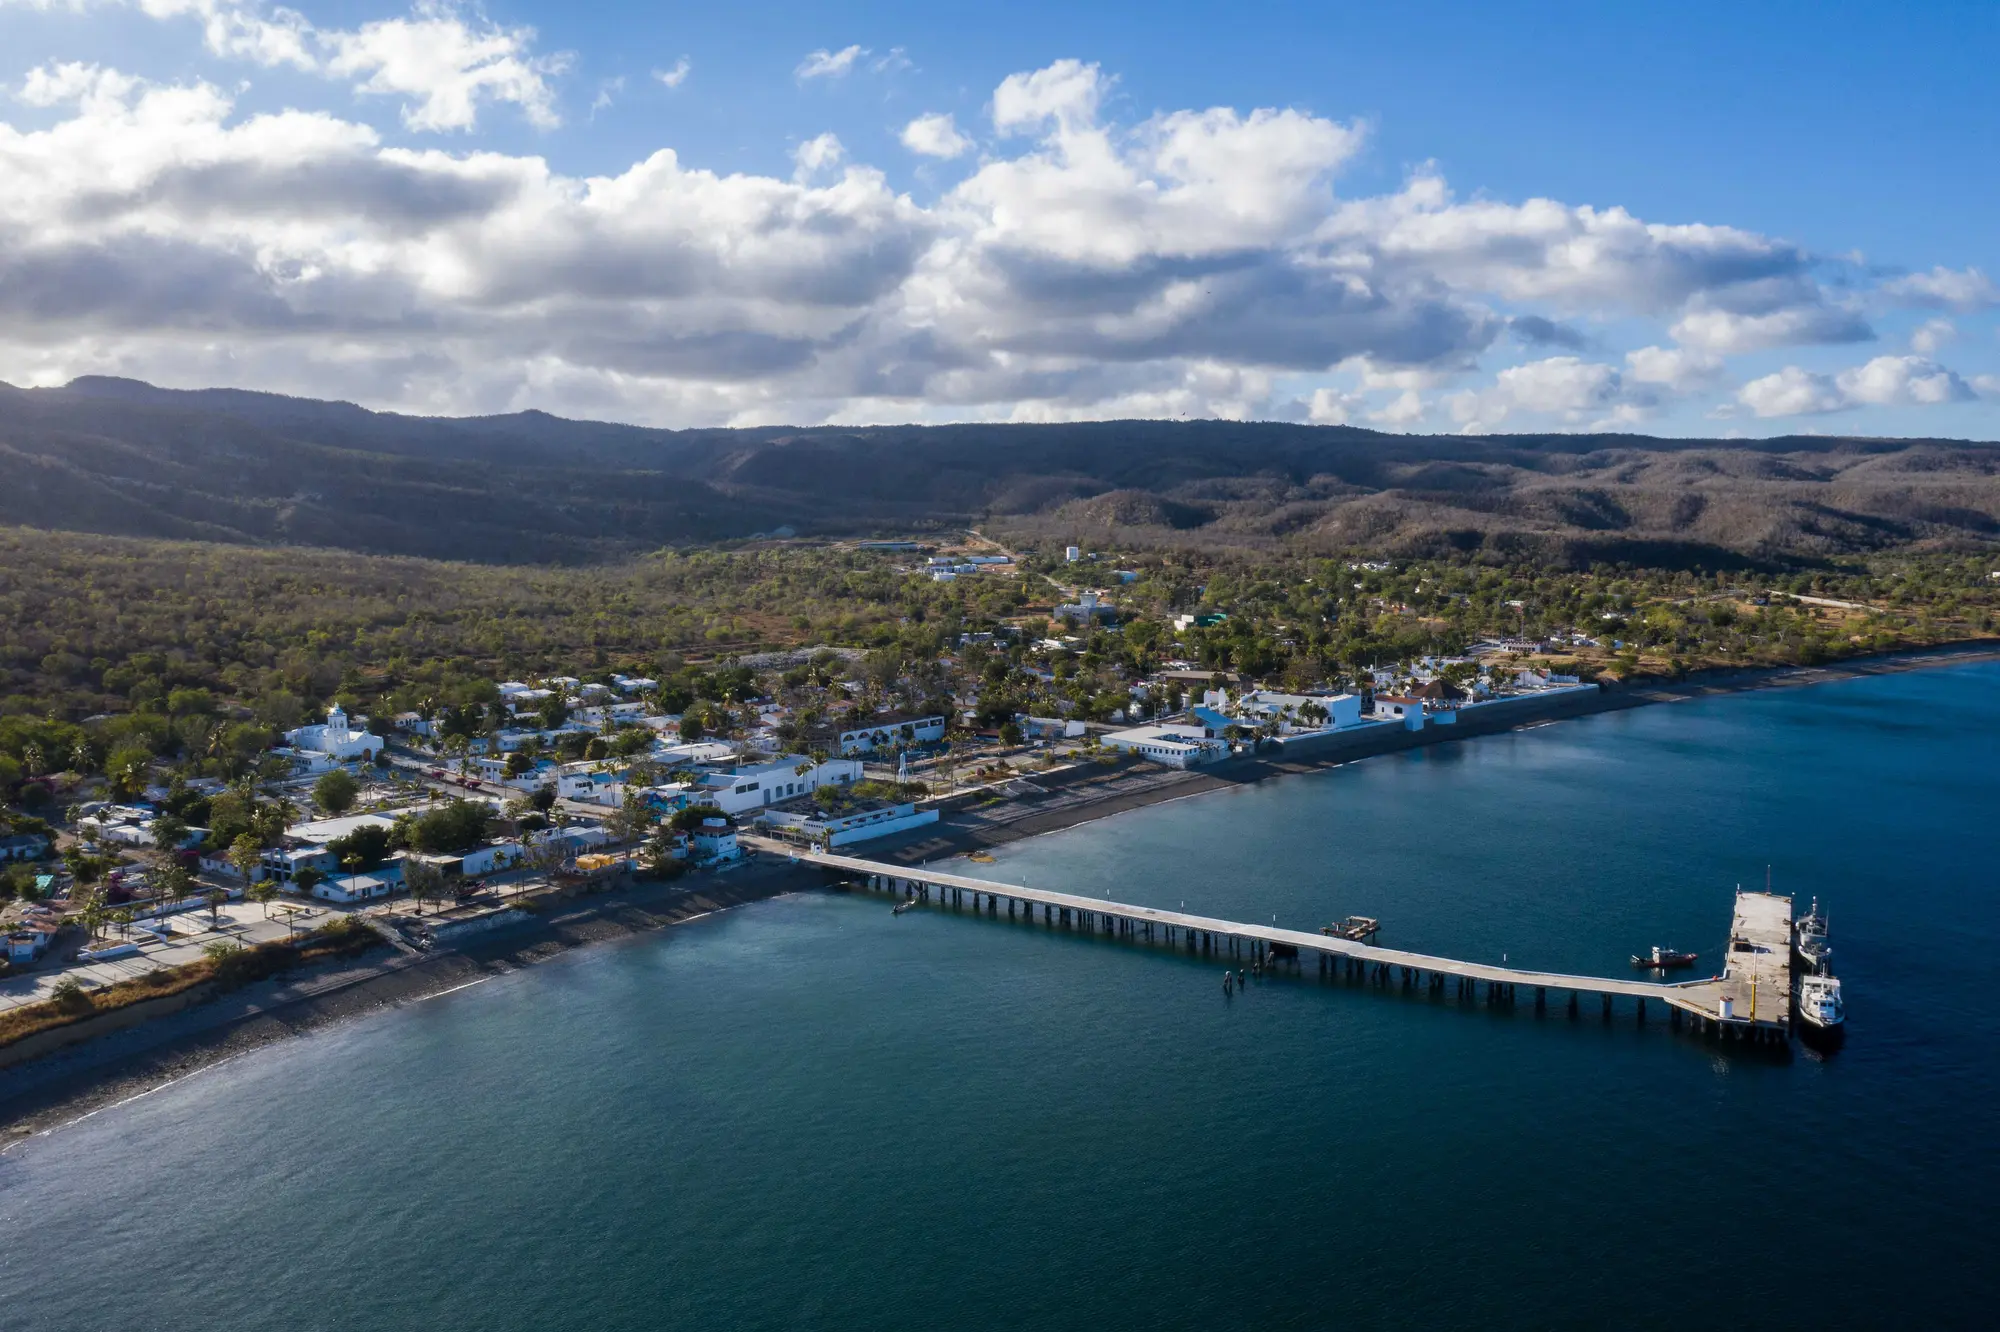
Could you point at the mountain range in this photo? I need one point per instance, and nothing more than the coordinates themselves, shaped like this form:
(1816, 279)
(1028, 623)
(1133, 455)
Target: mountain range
(122, 457)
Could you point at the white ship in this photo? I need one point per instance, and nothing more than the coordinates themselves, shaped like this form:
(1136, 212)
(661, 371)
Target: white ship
(1812, 946)
(1819, 1002)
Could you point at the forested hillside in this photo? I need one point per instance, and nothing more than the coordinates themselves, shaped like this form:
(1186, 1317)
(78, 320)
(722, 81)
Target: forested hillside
(117, 457)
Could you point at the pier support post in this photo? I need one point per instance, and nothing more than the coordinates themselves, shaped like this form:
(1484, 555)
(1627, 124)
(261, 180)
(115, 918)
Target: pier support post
(1607, 1008)
(1642, 1012)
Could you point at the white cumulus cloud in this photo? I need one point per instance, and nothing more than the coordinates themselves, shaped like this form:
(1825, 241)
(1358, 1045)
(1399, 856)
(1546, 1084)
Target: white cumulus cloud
(1728, 333)
(1198, 261)
(1901, 381)
(1955, 289)
(443, 61)
(935, 136)
(1931, 335)
(1676, 369)
(817, 154)
(444, 68)
(676, 76)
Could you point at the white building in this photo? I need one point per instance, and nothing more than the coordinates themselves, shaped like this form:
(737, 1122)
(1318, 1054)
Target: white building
(715, 840)
(845, 829)
(696, 752)
(480, 860)
(889, 732)
(1298, 713)
(749, 787)
(336, 739)
(1072, 554)
(528, 700)
(1414, 712)
(1088, 607)
(1174, 746)
(348, 889)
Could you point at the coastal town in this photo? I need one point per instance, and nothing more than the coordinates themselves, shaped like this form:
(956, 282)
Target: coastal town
(425, 824)
(195, 836)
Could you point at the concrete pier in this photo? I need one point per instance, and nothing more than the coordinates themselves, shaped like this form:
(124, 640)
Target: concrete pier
(1751, 1000)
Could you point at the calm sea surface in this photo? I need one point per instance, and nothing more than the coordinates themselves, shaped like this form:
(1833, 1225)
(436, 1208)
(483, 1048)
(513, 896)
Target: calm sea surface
(809, 1113)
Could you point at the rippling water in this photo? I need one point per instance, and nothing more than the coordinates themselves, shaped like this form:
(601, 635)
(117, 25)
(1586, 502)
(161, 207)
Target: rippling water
(809, 1113)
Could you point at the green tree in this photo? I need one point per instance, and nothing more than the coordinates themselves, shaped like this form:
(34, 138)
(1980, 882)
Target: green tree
(335, 791)
(173, 882)
(691, 817)
(245, 855)
(658, 856)
(70, 996)
(423, 880)
(169, 831)
(552, 712)
(455, 827)
(631, 819)
(265, 891)
(368, 845)
(127, 768)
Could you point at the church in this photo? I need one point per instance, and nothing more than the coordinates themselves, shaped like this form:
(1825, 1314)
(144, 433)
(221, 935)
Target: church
(336, 739)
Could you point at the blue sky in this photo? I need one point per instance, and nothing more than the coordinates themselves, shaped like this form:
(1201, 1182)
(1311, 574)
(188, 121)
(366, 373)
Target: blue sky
(1694, 219)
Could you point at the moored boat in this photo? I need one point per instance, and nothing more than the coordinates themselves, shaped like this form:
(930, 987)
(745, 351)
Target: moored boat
(1820, 1005)
(1661, 959)
(1813, 948)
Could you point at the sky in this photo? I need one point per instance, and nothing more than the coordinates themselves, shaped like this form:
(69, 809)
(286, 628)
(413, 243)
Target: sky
(1697, 219)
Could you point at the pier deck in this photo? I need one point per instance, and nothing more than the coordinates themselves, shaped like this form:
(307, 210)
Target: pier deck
(1756, 979)
(1757, 970)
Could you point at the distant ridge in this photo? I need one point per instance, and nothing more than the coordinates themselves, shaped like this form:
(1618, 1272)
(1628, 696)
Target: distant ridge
(124, 457)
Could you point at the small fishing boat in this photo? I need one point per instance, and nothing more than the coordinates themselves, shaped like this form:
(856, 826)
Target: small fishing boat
(1813, 948)
(1820, 1005)
(902, 906)
(1662, 959)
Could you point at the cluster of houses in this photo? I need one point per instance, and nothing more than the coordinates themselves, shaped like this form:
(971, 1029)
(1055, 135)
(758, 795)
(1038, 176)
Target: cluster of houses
(1426, 696)
(944, 568)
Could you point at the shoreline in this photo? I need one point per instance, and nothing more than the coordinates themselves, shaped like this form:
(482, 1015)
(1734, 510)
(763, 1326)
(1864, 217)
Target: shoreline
(1137, 785)
(68, 1085)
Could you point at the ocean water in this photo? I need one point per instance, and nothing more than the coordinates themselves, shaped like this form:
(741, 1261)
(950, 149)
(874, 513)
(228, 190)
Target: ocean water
(808, 1113)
